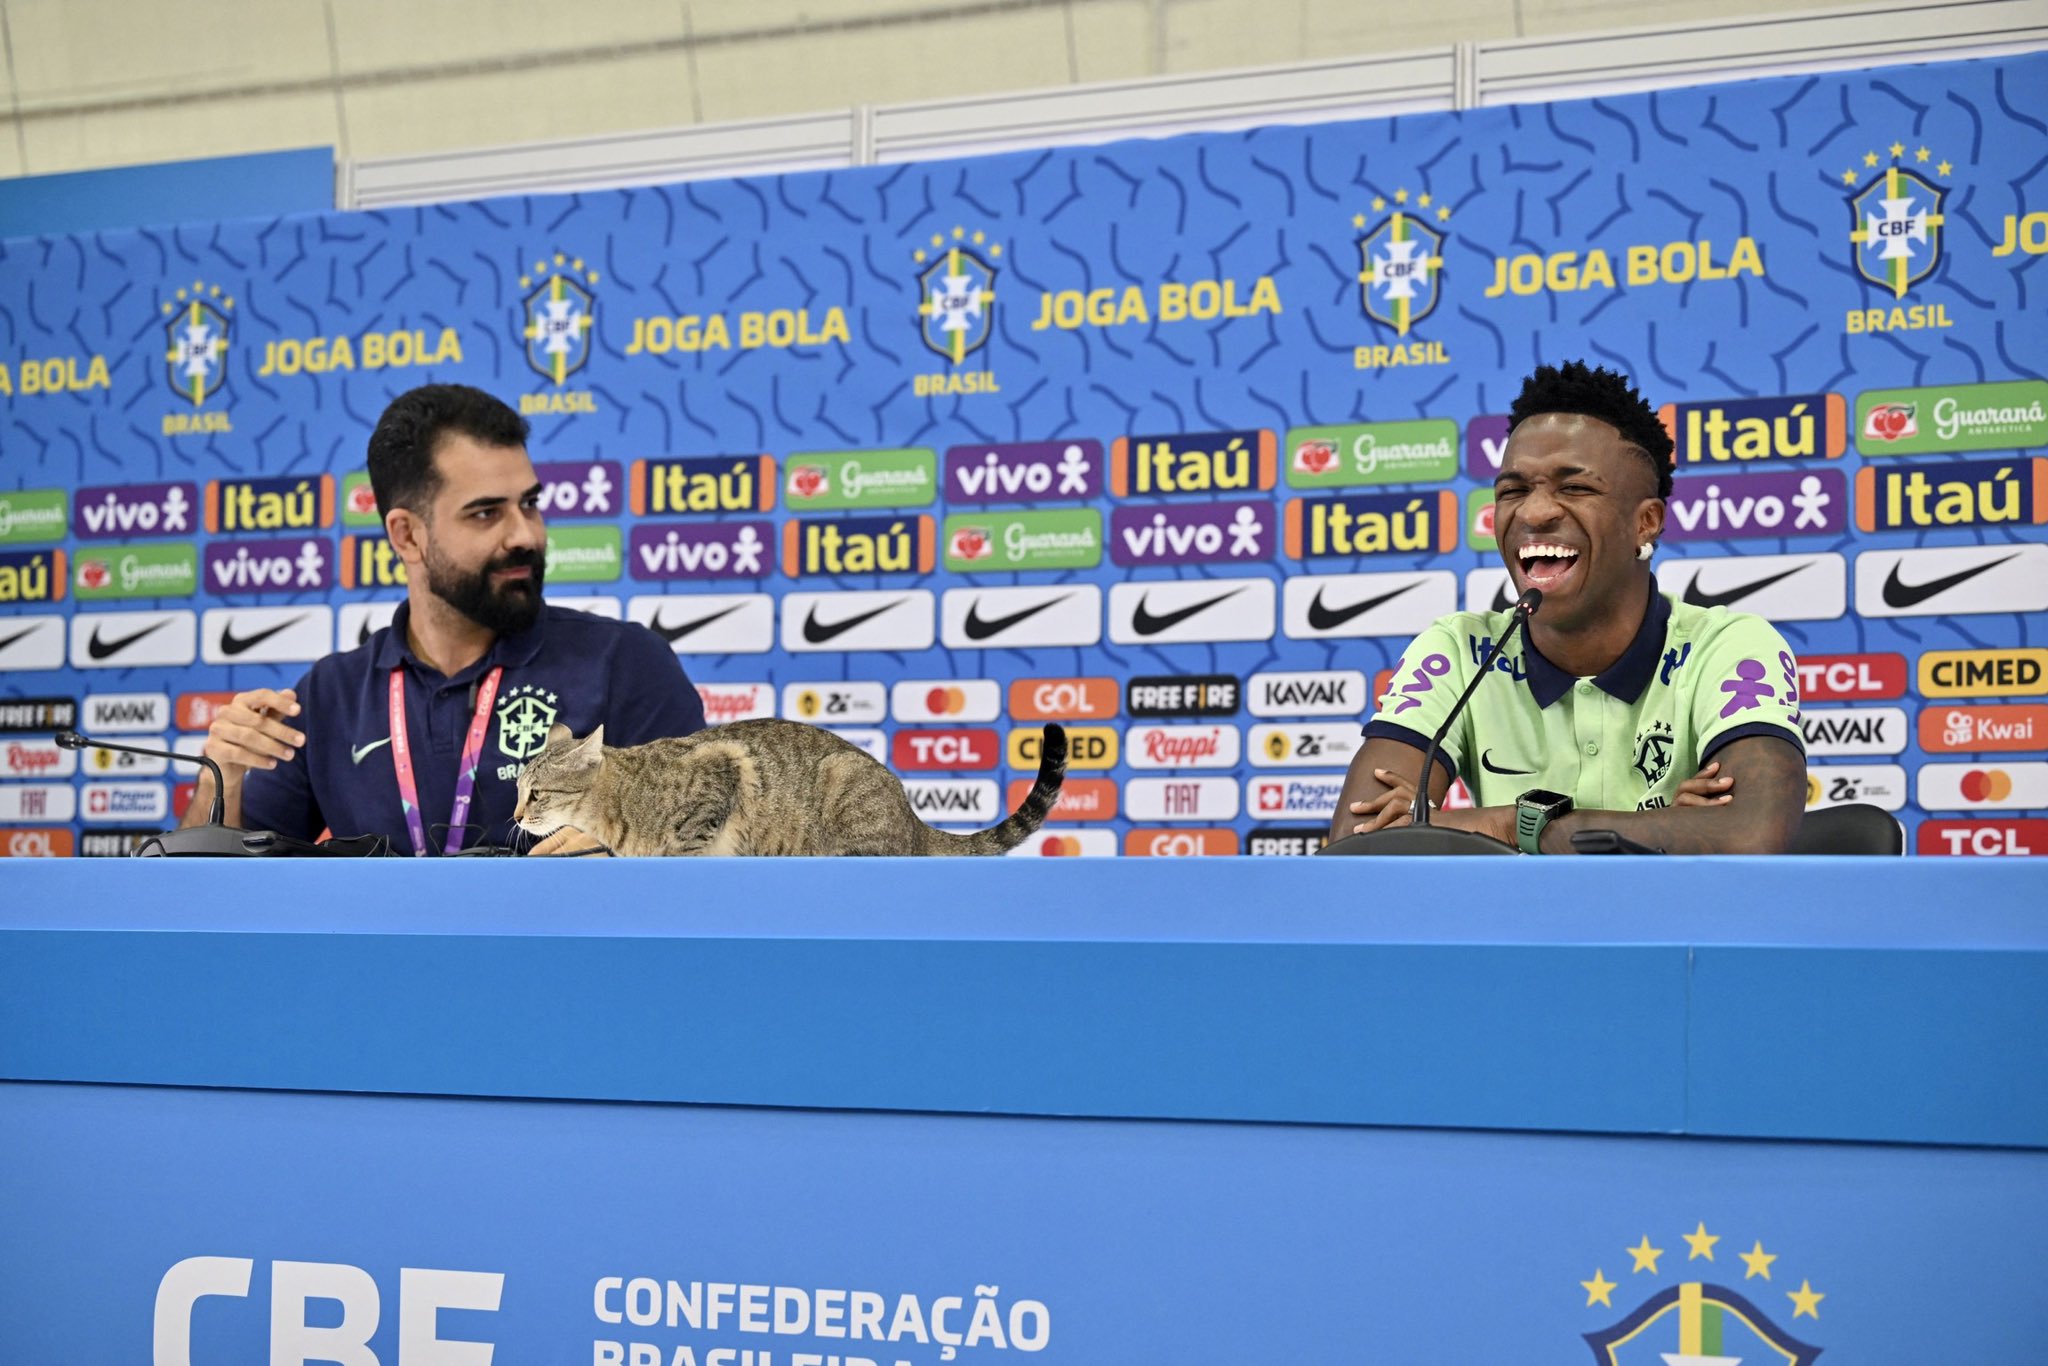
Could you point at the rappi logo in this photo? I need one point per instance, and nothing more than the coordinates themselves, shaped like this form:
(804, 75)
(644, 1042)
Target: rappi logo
(1852, 678)
(927, 751)
(32, 761)
(725, 702)
(1183, 746)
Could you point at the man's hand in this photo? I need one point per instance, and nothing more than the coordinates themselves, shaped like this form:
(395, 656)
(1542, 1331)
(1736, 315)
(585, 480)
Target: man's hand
(1396, 805)
(250, 732)
(1704, 788)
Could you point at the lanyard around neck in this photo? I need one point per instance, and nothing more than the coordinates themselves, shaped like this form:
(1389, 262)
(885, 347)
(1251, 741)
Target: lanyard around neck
(465, 780)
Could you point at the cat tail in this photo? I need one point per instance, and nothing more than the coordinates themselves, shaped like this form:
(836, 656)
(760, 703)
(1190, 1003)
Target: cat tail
(1030, 813)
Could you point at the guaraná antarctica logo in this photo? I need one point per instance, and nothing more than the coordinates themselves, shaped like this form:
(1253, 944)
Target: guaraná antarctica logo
(1896, 217)
(1401, 260)
(1698, 1322)
(956, 292)
(561, 313)
(196, 330)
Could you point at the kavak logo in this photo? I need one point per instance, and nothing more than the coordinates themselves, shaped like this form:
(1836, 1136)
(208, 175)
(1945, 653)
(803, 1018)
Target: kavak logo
(900, 620)
(127, 713)
(265, 635)
(1853, 732)
(196, 332)
(561, 314)
(836, 704)
(2010, 492)
(956, 309)
(1950, 580)
(1334, 692)
(1181, 799)
(953, 801)
(1895, 233)
(719, 484)
(709, 623)
(701, 550)
(1167, 612)
(1327, 606)
(1024, 472)
(127, 640)
(1008, 618)
(1400, 277)
(1813, 587)
(1700, 1322)
(35, 642)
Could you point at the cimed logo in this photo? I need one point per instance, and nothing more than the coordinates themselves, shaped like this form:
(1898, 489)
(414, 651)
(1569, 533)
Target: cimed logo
(196, 337)
(1698, 1322)
(1896, 218)
(1401, 260)
(957, 292)
(561, 310)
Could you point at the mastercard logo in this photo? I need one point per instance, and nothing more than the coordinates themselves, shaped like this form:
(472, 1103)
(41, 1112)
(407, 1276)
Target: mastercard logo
(946, 701)
(1986, 785)
(1059, 846)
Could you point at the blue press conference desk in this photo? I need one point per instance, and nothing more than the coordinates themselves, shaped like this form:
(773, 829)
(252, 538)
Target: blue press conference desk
(1131, 1111)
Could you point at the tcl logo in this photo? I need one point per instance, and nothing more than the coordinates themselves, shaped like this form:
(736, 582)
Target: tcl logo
(1081, 799)
(1087, 747)
(35, 843)
(922, 751)
(1179, 843)
(1984, 839)
(196, 710)
(422, 1294)
(1852, 678)
(1063, 699)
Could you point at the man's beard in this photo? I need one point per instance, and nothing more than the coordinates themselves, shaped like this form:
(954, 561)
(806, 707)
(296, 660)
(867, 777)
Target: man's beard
(506, 609)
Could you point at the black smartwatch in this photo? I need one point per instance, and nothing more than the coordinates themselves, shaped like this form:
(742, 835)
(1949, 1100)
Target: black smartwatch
(1535, 809)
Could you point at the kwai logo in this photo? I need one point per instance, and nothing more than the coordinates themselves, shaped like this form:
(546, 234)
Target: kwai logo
(719, 484)
(956, 309)
(196, 332)
(2010, 492)
(701, 550)
(287, 504)
(106, 512)
(1741, 430)
(1895, 232)
(287, 565)
(1984, 729)
(1698, 1321)
(1191, 533)
(2011, 415)
(1024, 472)
(1193, 462)
(1775, 503)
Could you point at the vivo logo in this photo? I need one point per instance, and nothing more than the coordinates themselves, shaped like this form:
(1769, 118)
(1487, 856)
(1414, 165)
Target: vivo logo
(422, 1294)
(706, 550)
(270, 566)
(1024, 472)
(135, 510)
(1196, 533)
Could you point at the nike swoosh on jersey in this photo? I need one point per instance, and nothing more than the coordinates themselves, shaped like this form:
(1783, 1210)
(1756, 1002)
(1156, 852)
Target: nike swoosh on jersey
(362, 752)
(1900, 595)
(1486, 762)
(818, 632)
(979, 627)
(672, 634)
(1324, 618)
(100, 648)
(232, 644)
(1699, 597)
(1145, 624)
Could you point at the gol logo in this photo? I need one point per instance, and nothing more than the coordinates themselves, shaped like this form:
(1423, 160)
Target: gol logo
(1087, 747)
(1062, 699)
(1081, 799)
(35, 843)
(1179, 843)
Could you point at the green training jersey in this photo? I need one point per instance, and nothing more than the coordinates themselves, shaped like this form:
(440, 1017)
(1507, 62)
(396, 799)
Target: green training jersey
(1693, 679)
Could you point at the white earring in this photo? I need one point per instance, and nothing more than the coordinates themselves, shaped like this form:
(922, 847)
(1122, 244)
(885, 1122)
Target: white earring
(1644, 550)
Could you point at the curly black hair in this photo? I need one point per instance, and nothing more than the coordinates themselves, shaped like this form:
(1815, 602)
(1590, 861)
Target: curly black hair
(1575, 387)
(402, 472)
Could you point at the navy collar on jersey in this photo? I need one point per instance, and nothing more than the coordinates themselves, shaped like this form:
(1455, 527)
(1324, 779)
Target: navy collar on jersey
(1624, 679)
(512, 650)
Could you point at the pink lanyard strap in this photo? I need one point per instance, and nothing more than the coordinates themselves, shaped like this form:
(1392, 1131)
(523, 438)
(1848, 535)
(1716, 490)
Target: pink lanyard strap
(465, 782)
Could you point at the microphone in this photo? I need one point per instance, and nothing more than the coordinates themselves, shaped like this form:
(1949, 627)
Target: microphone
(212, 838)
(1419, 836)
(71, 739)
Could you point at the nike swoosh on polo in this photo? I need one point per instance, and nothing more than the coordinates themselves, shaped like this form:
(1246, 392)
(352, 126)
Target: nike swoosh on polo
(1699, 597)
(1145, 624)
(1486, 762)
(1900, 595)
(19, 635)
(979, 627)
(818, 632)
(1325, 618)
(362, 752)
(232, 644)
(100, 648)
(672, 634)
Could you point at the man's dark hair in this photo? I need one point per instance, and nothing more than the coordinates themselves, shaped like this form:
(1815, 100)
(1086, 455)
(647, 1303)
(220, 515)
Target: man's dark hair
(1575, 387)
(402, 472)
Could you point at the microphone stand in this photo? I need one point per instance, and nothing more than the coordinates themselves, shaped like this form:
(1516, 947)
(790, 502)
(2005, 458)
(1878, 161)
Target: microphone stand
(1419, 837)
(211, 839)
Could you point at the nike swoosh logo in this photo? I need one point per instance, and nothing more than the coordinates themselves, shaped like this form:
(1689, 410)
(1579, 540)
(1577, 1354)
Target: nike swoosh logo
(101, 648)
(232, 644)
(1486, 762)
(1501, 601)
(18, 635)
(818, 632)
(978, 627)
(672, 634)
(1145, 624)
(1699, 597)
(1901, 595)
(363, 634)
(1322, 617)
(362, 752)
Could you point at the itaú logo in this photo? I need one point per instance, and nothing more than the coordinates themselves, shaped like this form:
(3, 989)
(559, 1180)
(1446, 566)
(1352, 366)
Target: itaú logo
(422, 1294)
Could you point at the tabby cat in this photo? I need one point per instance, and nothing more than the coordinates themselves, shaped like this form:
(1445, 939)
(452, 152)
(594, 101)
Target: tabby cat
(753, 787)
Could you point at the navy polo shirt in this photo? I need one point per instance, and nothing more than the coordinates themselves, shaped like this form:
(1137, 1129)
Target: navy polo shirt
(568, 667)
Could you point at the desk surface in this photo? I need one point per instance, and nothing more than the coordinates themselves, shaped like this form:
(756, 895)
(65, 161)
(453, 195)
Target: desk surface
(1880, 1000)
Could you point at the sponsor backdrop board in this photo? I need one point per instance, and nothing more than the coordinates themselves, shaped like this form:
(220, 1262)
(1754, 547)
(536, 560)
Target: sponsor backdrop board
(1214, 407)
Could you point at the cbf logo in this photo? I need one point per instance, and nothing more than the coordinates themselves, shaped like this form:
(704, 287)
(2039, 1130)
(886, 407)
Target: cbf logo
(1401, 261)
(524, 718)
(196, 341)
(957, 292)
(1699, 1322)
(561, 311)
(1896, 218)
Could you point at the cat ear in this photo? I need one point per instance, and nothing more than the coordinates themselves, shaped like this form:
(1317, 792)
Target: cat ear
(596, 737)
(559, 734)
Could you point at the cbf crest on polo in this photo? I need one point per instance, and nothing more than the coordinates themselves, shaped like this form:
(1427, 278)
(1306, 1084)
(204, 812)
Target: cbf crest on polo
(524, 718)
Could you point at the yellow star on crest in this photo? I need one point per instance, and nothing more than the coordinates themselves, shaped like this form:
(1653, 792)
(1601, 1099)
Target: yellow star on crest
(1870, 158)
(1848, 177)
(198, 285)
(918, 254)
(1357, 220)
(560, 259)
(1423, 199)
(1922, 154)
(1645, 1255)
(979, 237)
(1598, 1289)
(1805, 1300)
(1758, 1261)
(540, 267)
(1897, 149)
(1443, 215)
(1400, 196)
(1378, 204)
(995, 249)
(526, 282)
(1701, 1243)
(1943, 169)
(576, 264)
(959, 233)
(938, 240)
